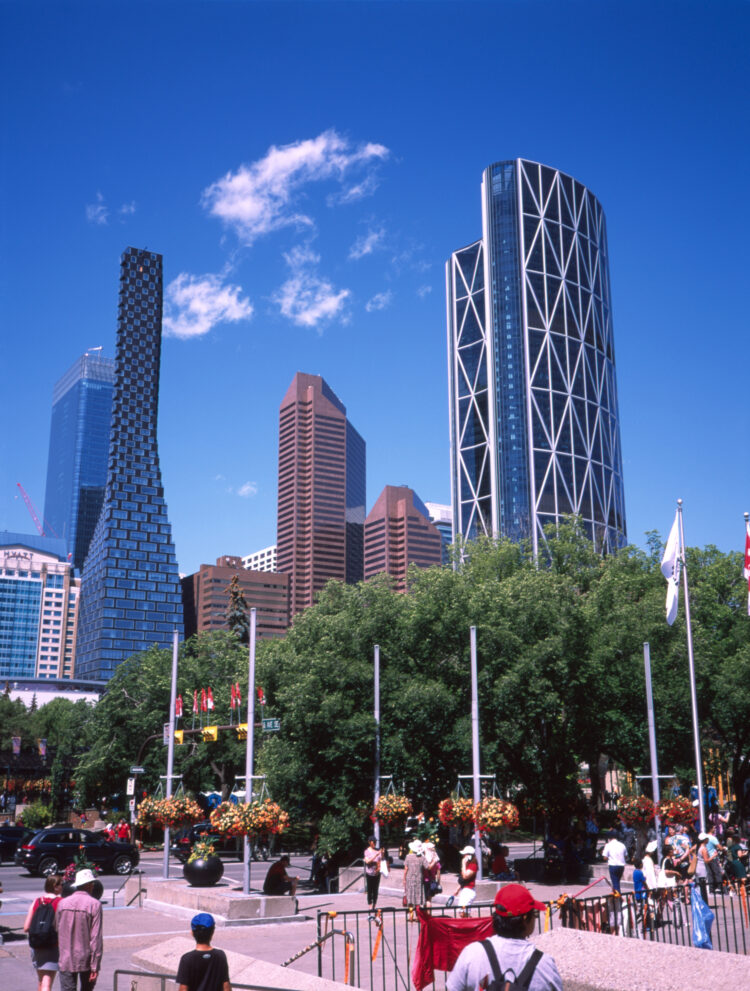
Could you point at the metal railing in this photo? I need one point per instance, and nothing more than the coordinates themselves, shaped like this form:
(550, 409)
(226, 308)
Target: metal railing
(165, 979)
(385, 940)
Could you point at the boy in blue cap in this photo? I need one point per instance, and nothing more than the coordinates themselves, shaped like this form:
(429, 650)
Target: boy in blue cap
(204, 968)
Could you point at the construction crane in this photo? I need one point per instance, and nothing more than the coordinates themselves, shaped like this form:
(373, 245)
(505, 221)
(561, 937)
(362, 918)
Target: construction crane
(33, 513)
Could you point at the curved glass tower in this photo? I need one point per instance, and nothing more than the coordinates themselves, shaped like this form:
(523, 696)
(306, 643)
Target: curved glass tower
(533, 399)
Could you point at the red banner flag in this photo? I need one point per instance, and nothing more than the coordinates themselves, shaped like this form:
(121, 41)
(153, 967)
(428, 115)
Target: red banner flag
(231, 697)
(261, 696)
(203, 700)
(210, 699)
(746, 572)
(178, 707)
(195, 701)
(238, 693)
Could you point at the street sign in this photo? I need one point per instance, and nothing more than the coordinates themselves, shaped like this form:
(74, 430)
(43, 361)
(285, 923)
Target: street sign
(131, 787)
(137, 770)
(271, 725)
(131, 805)
(165, 734)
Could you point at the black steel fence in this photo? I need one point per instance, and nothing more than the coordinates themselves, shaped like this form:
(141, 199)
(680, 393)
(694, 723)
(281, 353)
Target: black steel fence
(142, 980)
(374, 950)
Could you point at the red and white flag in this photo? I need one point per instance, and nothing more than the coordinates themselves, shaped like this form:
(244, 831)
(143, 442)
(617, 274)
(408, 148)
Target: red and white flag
(195, 701)
(261, 696)
(203, 700)
(238, 693)
(746, 570)
(210, 699)
(231, 697)
(178, 707)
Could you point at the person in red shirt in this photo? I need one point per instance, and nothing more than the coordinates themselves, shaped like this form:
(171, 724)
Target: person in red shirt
(123, 831)
(45, 959)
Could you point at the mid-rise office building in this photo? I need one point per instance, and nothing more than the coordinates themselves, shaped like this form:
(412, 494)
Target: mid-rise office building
(78, 451)
(38, 608)
(398, 532)
(131, 597)
(533, 399)
(263, 560)
(205, 597)
(321, 505)
(442, 517)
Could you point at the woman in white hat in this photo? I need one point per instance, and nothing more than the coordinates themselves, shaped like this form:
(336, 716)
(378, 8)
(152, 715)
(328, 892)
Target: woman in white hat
(413, 882)
(431, 872)
(467, 879)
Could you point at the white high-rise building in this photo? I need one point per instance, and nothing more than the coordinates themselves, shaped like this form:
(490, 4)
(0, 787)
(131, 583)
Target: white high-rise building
(263, 560)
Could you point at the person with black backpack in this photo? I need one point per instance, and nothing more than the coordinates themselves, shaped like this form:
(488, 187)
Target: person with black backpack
(40, 925)
(506, 961)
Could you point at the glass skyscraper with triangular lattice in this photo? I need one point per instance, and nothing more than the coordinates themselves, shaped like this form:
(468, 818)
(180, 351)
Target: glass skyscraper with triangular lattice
(533, 398)
(130, 588)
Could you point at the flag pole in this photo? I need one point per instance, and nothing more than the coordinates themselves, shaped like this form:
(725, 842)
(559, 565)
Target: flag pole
(652, 741)
(376, 693)
(170, 748)
(691, 662)
(475, 745)
(249, 752)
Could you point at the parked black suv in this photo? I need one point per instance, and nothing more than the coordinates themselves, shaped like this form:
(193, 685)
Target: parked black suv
(11, 837)
(224, 846)
(52, 849)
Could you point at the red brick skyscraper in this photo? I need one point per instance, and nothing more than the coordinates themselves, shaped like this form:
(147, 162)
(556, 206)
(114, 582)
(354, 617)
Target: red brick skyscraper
(321, 508)
(398, 532)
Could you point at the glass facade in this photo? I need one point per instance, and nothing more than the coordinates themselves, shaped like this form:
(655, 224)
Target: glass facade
(130, 590)
(356, 461)
(78, 449)
(534, 419)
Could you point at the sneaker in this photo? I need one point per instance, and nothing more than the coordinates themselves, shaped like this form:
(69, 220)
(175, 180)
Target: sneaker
(450, 901)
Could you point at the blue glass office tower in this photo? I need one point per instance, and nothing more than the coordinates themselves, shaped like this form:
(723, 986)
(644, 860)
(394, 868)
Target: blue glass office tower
(130, 589)
(533, 398)
(78, 449)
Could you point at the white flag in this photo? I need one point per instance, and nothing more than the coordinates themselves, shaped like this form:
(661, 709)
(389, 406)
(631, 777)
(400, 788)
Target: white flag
(670, 568)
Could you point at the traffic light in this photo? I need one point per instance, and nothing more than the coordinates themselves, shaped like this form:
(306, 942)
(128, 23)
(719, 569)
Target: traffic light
(210, 734)
(242, 731)
(179, 735)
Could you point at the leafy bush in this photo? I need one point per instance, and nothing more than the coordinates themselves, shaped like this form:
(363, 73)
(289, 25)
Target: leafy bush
(37, 815)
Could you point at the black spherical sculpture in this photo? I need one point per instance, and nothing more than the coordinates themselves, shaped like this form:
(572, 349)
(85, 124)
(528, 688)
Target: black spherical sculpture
(203, 872)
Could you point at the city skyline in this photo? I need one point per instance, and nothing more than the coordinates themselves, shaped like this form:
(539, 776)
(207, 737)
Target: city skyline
(309, 229)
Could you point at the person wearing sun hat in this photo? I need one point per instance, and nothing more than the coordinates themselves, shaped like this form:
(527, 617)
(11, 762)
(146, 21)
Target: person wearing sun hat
(507, 956)
(204, 968)
(413, 879)
(79, 934)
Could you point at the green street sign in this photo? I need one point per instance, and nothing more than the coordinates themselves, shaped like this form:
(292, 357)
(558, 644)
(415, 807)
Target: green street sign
(271, 725)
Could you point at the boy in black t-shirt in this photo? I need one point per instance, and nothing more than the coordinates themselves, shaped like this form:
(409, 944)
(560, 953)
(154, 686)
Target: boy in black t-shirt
(203, 969)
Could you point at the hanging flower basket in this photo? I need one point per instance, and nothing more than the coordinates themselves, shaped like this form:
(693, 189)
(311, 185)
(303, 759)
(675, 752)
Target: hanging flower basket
(456, 811)
(636, 812)
(171, 812)
(249, 819)
(676, 812)
(494, 815)
(392, 810)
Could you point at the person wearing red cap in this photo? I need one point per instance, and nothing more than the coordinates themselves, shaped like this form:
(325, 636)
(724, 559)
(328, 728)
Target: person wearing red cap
(507, 956)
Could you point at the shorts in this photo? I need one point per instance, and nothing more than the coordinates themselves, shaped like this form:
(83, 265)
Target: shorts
(465, 897)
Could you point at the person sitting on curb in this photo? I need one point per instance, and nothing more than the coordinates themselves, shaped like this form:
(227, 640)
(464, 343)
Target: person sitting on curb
(277, 880)
(204, 968)
(507, 956)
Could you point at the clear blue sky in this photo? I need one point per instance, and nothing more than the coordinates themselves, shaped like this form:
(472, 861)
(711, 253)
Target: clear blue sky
(307, 168)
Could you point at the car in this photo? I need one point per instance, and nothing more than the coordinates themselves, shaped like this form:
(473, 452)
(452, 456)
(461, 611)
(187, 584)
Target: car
(224, 846)
(11, 837)
(52, 849)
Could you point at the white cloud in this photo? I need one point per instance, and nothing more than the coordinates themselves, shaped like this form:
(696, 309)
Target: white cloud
(97, 213)
(306, 298)
(356, 192)
(196, 303)
(424, 291)
(366, 244)
(127, 208)
(379, 301)
(259, 197)
(247, 490)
